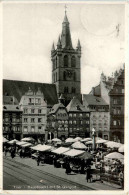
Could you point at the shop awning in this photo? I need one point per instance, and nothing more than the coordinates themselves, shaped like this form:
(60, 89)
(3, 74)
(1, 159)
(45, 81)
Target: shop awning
(101, 141)
(27, 145)
(86, 139)
(13, 141)
(21, 143)
(114, 155)
(74, 152)
(78, 145)
(121, 149)
(41, 148)
(27, 139)
(69, 140)
(5, 140)
(86, 156)
(112, 144)
(61, 150)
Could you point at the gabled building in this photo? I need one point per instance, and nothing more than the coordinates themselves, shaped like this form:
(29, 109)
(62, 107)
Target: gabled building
(117, 108)
(57, 122)
(79, 119)
(34, 118)
(12, 118)
(66, 65)
(99, 115)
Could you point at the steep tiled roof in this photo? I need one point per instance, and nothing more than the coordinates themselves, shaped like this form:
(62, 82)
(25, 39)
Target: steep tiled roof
(75, 106)
(9, 100)
(96, 91)
(55, 108)
(93, 100)
(15, 108)
(19, 88)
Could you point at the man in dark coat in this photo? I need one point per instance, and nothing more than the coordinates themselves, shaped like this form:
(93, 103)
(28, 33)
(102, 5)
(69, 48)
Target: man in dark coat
(68, 169)
(38, 160)
(88, 174)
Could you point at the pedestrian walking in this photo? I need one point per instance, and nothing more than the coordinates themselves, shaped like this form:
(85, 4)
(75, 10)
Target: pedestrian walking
(38, 160)
(68, 169)
(88, 174)
(6, 150)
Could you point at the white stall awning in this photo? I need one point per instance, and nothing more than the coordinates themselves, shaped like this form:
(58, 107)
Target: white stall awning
(60, 150)
(74, 152)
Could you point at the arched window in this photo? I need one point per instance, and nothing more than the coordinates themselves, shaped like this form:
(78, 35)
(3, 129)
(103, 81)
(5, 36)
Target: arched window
(56, 76)
(73, 61)
(73, 90)
(64, 75)
(74, 76)
(66, 90)
(66, 61)
(56, 62)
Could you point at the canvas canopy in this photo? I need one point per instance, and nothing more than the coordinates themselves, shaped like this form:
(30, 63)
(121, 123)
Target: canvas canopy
(60, 150)
(21, 143)
(78, 139)
(27, 145)
(112, 144)
(12, 141)
(69, 140)
(86, 139)
(41, 148)
(74, 152)
(101, 141)
(114, 155)
(121, 149)
(5, 140)
(86, 156)
(56, 140)
(78, 145)
(89, 142)
(27, 139)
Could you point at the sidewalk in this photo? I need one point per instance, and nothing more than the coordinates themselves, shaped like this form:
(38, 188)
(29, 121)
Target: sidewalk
(78, 178)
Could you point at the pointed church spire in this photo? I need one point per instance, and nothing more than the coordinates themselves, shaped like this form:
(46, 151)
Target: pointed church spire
(66, 36)
(59, 43)
(53, 47)
(78, 45)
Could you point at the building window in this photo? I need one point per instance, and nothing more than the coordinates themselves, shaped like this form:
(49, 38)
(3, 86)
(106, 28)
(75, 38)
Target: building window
(70, 115)
(25, 110)
(87, 115)
(37, 101)
(70, 122)
(66, 90)
(73, 90)
(32, 111)
(31, 100)
(64, 75)
(70, 130)
(32, 120)
(39, 120)
(81, 122)
(74, 115)
(74, 122)
(56, 62)
(32, 129)
(25, 120)
(73, 61)
(39, 111)
(18, 120)
(18, 128)
(123, 91)
(74, 76)
(118, 122)
(56, 76)
(25, 129)
(114, 123)
(114, 101)
(66, 61)
(80, 114)
(87, 122)
(39, 127)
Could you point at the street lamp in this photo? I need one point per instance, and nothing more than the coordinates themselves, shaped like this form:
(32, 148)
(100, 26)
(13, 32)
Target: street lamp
(93, 134)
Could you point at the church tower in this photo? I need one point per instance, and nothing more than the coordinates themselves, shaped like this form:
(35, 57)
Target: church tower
(66, 71)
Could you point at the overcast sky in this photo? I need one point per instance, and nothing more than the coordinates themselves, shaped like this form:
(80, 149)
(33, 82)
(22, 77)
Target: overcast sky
(29, 30)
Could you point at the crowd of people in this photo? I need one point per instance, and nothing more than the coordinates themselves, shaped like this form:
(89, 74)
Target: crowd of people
(111, 169)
